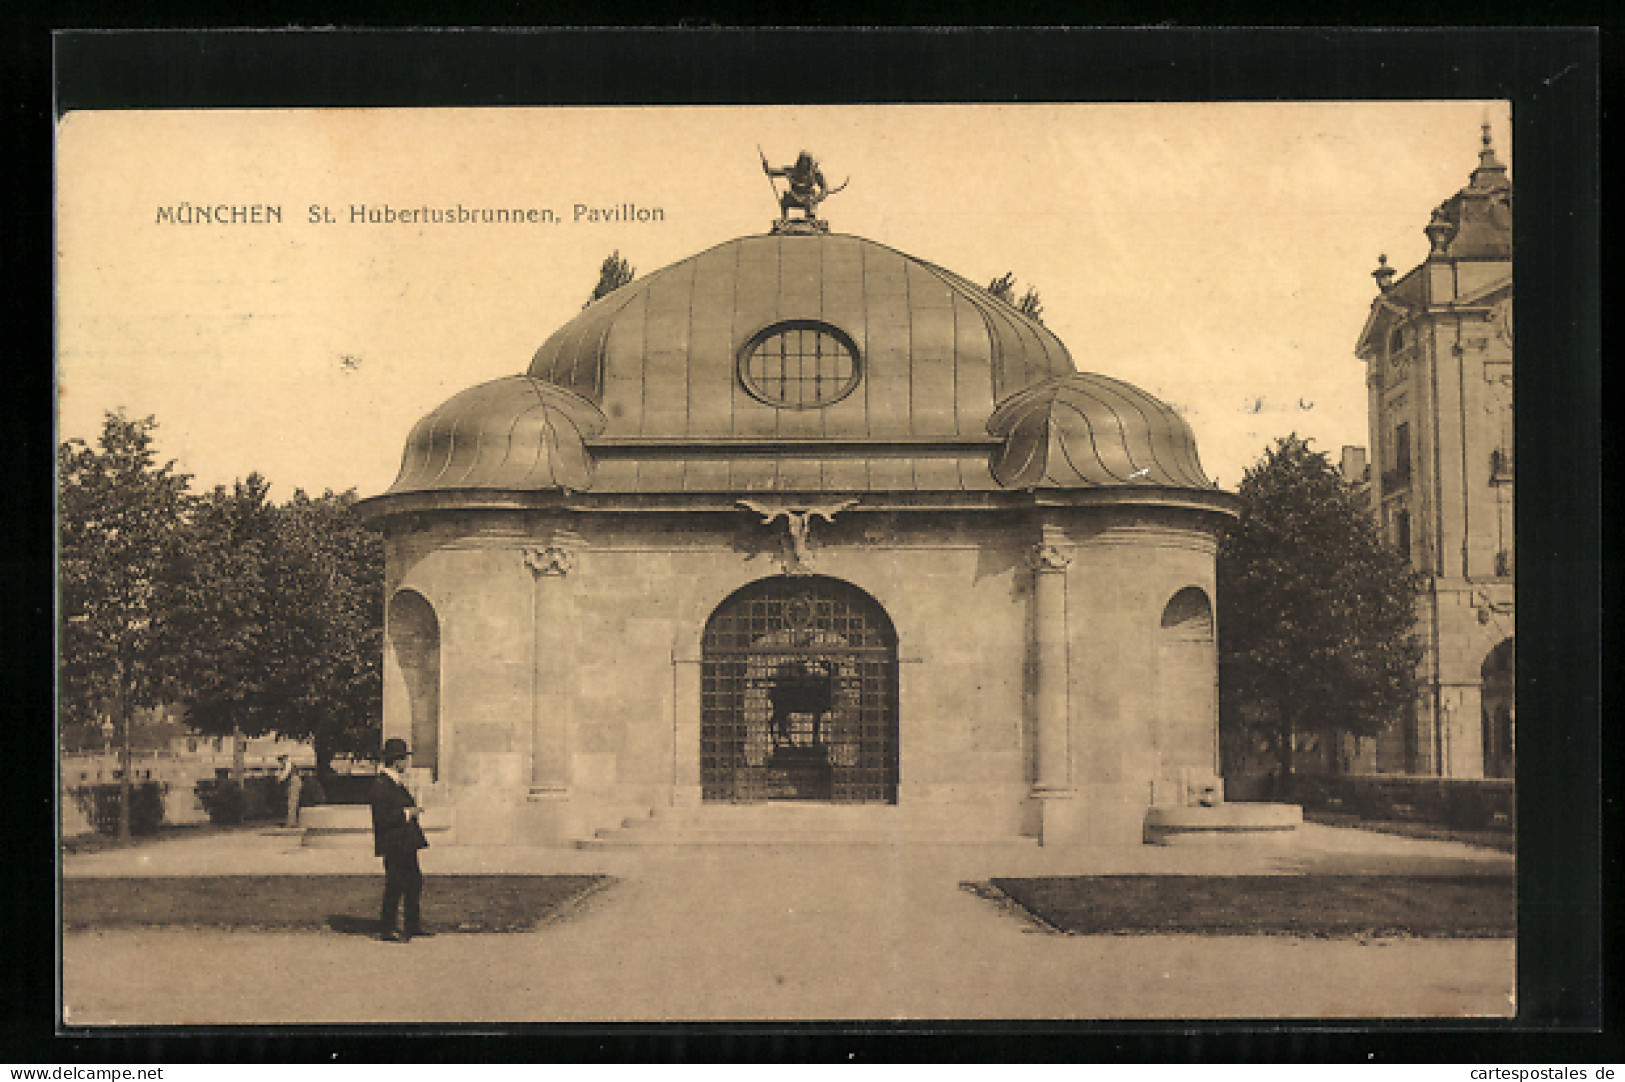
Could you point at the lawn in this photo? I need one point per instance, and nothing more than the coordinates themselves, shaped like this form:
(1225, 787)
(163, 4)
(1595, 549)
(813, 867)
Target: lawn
(343, 903)
(1303, 905)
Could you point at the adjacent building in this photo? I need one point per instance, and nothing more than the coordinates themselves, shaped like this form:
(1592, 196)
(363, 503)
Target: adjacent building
(1438, 351)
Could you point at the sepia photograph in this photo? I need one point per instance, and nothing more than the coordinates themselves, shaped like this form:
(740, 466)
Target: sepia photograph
(786, 563)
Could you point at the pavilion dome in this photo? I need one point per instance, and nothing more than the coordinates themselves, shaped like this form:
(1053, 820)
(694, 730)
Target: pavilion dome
(800, 361)
(936, 352)
(1087, 431)
(510, 433)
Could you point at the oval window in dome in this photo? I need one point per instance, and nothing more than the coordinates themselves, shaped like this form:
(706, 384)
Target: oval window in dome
(799, 365)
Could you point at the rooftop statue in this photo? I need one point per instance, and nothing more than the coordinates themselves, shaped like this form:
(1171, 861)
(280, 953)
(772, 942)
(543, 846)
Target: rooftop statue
(806, 187)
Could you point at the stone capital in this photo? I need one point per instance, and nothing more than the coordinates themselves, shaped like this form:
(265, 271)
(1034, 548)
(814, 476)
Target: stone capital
(554, 561)
(1047, 557)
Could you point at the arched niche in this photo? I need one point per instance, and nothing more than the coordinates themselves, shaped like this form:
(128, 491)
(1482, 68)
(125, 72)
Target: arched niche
(414, 637)
(1498, 699)
(1188, 615)
(1186, 732)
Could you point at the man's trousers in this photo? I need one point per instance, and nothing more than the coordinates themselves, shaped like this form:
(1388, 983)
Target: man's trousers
(402, 879)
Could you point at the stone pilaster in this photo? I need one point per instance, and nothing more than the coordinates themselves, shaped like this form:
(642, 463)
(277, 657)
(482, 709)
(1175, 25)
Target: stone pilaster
(1461, 726)
(550, 567)
(686, 695)
(1053, 775)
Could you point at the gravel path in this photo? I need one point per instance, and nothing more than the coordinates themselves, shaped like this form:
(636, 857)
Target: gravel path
(819, 932)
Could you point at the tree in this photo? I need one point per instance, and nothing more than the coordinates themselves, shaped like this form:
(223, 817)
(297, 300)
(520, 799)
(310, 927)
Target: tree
(1004, 288)
(215, 602)
(277, 619)
(1316, 609)
(118, 517)
(323, 651)
(614, 274)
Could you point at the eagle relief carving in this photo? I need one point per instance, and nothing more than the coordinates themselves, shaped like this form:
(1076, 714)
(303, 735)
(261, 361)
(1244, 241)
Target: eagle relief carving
(797, 521)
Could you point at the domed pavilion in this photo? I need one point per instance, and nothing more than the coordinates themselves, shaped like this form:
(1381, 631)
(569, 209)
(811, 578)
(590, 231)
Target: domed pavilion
(803, 533)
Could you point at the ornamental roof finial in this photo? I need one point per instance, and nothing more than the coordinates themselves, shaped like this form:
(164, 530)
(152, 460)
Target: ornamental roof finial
(1384, 274)
(1490, 172)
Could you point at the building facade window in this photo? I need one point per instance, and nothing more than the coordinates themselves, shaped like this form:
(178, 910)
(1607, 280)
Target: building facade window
(800, 365)
(1500, 466)
(1398, 474)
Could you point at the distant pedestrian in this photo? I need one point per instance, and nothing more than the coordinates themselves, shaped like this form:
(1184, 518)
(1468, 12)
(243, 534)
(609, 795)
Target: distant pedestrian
(292, 786)
(397, 837)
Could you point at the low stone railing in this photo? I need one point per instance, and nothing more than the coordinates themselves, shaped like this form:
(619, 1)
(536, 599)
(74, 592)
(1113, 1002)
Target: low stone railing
(1460, 803)
(345, 826)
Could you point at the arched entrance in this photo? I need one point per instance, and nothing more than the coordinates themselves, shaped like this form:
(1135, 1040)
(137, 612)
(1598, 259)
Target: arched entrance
(798, 695)
(1499, 704)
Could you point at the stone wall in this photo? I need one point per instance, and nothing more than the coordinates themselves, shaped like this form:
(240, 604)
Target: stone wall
(570, 649)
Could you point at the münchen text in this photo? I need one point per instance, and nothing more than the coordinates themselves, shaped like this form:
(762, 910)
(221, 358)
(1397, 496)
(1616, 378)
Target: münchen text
(220, 214)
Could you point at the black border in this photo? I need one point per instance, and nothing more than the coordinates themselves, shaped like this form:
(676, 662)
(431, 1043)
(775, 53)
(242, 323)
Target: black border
(1553, 77)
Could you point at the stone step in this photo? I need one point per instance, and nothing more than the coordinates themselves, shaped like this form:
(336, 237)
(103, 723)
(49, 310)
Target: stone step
(806, 823)
(785, 814)
(677, 838)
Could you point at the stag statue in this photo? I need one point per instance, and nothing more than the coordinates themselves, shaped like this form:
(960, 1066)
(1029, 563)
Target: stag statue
(801, 687)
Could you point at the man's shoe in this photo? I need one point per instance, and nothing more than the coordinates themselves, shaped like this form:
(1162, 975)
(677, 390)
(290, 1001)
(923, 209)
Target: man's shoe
(419, 933)
(390, 937)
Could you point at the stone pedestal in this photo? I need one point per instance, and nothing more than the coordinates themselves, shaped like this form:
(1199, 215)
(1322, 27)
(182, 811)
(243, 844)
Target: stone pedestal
(1224, 823)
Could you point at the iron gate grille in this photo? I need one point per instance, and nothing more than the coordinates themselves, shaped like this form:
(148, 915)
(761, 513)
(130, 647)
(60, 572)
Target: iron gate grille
(799, 695)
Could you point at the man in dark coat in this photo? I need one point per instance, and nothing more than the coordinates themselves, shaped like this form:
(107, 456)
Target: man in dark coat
(397, 837)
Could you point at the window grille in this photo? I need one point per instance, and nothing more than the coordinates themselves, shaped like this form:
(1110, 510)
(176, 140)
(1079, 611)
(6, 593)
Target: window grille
(800, 366)
(799, 695)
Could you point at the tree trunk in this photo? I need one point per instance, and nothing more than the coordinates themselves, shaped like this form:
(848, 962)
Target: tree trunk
(238, 755)
(1284, 748)
(126, 788)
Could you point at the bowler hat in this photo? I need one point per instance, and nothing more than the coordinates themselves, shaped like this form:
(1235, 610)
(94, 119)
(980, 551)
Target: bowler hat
(395, 749)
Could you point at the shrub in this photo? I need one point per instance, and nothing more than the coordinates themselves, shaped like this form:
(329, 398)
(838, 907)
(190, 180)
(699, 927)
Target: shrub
(100, 804)
(263, 798)
(312, 792)
(229, 803)
(349, 788)
(223, 800)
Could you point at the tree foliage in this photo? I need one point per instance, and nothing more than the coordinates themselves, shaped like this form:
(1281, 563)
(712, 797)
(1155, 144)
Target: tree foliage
(117, 514)
(1004, 288)
(612, 275)
(256, 617)
(215, 605)
(325, 615)
(1316, 609)
(282, 608)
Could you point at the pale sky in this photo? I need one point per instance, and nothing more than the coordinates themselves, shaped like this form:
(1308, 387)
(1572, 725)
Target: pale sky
(1215, 255)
